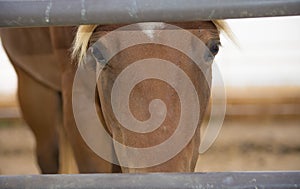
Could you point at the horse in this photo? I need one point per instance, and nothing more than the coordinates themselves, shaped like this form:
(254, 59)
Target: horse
(46, 68)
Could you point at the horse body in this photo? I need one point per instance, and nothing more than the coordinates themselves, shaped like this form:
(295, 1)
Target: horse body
(41, 57)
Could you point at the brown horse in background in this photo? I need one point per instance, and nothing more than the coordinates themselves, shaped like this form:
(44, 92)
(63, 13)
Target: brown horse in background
(42, 60)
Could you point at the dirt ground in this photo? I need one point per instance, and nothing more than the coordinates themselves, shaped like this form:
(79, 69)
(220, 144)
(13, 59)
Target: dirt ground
(254, 146)
(241, 145)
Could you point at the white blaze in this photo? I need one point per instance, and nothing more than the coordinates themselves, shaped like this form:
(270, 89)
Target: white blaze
(150, 27)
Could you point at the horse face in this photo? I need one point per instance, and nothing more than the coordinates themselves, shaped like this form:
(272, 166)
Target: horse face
(142, 97)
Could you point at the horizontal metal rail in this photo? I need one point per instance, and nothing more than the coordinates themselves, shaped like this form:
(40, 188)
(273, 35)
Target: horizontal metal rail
(10, 113)
(235, 180)
(20, 13)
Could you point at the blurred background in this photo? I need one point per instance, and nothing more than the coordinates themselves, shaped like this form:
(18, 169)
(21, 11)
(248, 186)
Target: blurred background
(261, 130)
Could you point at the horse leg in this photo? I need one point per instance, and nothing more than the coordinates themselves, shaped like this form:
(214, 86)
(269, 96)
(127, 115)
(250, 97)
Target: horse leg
(41, 110)
(67, 162)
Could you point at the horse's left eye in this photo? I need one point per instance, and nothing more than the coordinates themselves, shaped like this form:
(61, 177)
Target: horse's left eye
(213, 46)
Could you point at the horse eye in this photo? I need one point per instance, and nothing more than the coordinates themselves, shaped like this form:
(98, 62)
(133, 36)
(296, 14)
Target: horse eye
(98, 55)
(213, 46)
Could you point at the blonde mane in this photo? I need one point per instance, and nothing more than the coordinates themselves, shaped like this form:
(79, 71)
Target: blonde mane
(223, 27)
(85, 32)
(81, 41)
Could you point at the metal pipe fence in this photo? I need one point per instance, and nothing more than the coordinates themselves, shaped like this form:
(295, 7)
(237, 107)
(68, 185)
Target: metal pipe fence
(28, 13)
(21, 13)
(236, 180)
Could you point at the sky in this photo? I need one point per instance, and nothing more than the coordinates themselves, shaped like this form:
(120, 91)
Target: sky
(268, 54)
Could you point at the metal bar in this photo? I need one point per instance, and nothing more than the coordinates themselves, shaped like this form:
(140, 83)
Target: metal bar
(10, 113)
(20, 13)
(157, 180)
